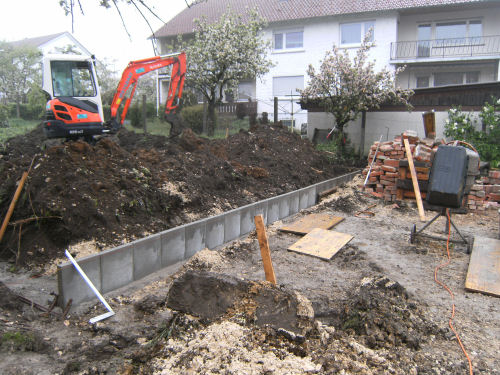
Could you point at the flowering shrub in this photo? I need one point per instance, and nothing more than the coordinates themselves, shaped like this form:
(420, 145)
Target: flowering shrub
(461, 126)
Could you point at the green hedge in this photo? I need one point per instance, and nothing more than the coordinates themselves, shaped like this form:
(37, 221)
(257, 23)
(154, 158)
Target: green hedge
(192, 117)
(27, 111)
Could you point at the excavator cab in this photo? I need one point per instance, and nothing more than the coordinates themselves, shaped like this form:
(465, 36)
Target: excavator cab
(75, 106)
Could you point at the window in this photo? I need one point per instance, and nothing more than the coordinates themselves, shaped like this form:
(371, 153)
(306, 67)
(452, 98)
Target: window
(283, 86)
(72, 78)
(455, 78)
(288, 40)
(353, 33)
(452, 33)
(423, 81)
(246, 90)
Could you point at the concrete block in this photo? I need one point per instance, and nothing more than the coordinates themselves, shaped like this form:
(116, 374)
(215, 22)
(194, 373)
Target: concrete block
(260, 208)
(247, 223)
(173, 246)
(312, 197)
(147, 256)
(294, 203)
(284, 205)
(72, 286)
(303, 198)
(117, 267)
(195, 237)
(273, 210)
(215, 231)
(232, 220)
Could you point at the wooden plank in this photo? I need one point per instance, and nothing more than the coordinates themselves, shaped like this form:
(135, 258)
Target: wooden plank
(484, 267)
(305, 224)
(321, 243)
(265, 252)
(414, 179)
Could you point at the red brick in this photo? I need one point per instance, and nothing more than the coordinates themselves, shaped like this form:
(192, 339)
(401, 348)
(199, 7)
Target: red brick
(389, 169)
(494, 181)
(422, 176)
(379, 189)
(387, 178)
(378, 195)
(494, 174)
(493, 197)
(391, 162)
(373, 179)
(392, 174)
(387, 183)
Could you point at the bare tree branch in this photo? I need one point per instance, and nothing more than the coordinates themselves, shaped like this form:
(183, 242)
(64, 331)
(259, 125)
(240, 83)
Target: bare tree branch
(153, 40)
(150, 10)
(121, 17)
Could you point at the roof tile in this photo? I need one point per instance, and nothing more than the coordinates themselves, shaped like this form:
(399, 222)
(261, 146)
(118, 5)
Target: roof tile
(283, 10)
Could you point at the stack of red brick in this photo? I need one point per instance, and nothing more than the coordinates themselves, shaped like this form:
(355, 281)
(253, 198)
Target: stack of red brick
(386, 170)
(485, 193)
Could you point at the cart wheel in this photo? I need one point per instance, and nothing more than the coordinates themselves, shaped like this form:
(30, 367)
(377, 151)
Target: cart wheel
(413, 233)
(470, 244)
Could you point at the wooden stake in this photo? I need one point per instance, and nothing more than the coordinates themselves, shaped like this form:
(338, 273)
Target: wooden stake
(227, 133)
(264, 249)
(13, 204)
(414, 179)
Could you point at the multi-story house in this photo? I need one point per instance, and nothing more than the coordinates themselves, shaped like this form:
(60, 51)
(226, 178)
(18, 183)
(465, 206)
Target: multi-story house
(441, 42)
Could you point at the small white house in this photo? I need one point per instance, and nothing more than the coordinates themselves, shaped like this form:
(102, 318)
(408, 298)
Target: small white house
(441, 42)
(54, 44)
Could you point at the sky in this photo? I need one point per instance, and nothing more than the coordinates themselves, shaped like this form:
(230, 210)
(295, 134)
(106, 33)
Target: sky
(100, 30)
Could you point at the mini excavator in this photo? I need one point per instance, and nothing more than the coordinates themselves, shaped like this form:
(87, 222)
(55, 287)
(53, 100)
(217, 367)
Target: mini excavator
(75, 106)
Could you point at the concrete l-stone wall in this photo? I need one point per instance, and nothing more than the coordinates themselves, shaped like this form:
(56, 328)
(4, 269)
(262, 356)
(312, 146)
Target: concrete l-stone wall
(115, 268)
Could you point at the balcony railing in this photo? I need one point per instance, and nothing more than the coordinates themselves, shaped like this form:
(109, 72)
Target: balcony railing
(446, 48)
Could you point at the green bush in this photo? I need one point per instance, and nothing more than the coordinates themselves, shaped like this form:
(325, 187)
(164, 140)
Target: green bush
(192, 117)
(460, 126)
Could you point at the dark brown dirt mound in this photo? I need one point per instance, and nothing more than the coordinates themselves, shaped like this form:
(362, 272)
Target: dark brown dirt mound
(126, 186)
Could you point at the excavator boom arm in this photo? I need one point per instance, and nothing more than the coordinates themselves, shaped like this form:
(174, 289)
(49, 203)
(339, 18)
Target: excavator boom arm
(138, 68)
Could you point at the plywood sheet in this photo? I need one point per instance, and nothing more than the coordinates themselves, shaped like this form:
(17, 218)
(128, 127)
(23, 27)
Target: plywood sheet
(321, 243)
(305, 224)
(484, 267)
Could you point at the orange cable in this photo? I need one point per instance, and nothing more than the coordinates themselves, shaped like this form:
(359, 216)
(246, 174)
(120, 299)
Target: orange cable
(451, 293)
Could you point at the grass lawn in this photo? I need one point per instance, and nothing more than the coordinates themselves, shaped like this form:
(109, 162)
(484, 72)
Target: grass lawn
(154, 126)
(17, 127)
(158, 127)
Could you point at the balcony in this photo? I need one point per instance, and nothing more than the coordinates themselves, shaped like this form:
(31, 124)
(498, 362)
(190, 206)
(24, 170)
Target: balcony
(421, 50)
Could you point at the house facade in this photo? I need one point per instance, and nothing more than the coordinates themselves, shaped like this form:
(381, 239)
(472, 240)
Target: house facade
(440, 42)
(54, 44)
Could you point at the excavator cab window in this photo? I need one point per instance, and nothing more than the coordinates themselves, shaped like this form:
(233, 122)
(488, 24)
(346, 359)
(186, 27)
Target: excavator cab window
(72, 78)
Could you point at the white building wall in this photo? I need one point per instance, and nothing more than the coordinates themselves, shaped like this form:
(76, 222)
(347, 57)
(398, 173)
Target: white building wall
(385, 124)
(319, 36)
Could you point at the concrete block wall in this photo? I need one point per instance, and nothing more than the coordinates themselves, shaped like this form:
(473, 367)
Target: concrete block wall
(115, 268)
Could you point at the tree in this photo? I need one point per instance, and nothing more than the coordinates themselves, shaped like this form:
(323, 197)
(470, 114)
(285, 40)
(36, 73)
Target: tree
(19, 69)
(346, 87)
(108, 79)
(222, 54)
(143, 7)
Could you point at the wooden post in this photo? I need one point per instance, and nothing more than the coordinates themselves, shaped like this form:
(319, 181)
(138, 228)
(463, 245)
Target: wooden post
(264, 249)
(362, 138)
(275, 110)
(13, 204)
(144, 114)
(414, 179)
(227, 133)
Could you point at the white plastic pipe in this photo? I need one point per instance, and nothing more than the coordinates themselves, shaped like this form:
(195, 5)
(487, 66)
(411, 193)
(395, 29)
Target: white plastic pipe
(94, 289)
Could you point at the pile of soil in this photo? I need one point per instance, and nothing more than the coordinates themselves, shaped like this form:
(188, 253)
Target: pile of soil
(130, 185)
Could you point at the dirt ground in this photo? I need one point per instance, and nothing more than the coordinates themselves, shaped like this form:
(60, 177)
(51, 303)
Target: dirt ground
(130, 185)
(375, 309)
